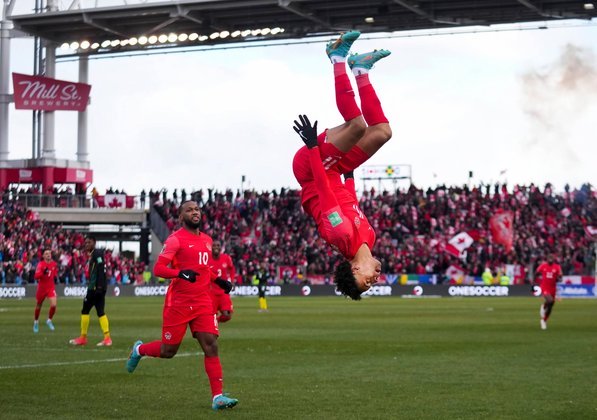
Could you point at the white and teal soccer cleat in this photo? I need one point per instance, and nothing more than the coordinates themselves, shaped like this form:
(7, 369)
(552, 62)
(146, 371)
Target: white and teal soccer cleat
(50, 325)
(341, 46)
(366, 60)
(134, 357)
(35, 327)
(222, 402)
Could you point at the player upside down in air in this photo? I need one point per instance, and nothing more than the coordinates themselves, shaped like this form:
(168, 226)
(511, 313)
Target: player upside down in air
(338, 151)
(185, 259)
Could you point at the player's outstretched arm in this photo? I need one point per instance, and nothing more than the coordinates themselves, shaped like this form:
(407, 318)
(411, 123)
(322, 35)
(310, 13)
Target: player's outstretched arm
(306, 131)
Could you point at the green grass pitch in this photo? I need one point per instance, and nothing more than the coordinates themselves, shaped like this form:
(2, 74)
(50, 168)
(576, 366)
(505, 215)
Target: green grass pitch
(313, 358)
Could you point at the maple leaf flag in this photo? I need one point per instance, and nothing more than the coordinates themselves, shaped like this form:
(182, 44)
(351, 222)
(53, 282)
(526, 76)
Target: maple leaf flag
(459, 243)
(501, 226)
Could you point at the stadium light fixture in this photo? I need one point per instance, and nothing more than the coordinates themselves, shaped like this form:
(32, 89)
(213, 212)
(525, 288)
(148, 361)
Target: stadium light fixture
(235, 34)
(214, 35)
(95, 46)
(276, 30)
(133, 41)
(74, 45)
(265, 31)
(589, 6)
(163, 38)
(256, 32)
(85, 45)
(106, 44)
(152, 39)
(172, 37)
(65, 46)
(193, 36)
(115, 43)
(203, 38)
(245, 33)
(142, 40)
(224, 34)
(183, 37)
(124, 42)
(370, 19)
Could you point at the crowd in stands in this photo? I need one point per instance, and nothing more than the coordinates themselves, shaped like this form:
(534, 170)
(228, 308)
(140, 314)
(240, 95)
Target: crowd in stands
(23, 237)
(412, 229)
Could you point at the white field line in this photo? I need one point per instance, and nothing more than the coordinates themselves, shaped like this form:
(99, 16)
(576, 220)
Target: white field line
(81, 362)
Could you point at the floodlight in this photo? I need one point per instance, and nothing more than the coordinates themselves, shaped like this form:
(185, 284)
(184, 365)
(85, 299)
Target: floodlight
(152, 39)
(193, 36)
(235, 34)
(276, 30)
(85, 45)
(74, 45)
(214, 35)
(95, 46)
(106, 44)
(265, 31)
(65, 46)
(172, 37)
(163, 38)
(142, 40)
(183, 37)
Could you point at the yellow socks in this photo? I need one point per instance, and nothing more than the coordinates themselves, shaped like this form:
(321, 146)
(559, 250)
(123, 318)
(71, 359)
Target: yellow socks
(84, 325)
(103, 320)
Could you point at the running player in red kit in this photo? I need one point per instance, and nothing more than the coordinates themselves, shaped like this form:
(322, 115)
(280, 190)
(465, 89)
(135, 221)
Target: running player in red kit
(550, 273)
(221, 264)
(338, 151)
(185, 259)
(45, 274)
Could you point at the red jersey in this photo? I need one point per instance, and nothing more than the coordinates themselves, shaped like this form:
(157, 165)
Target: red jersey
(188, 251)
(344, 227)
(550, 274)
(45, 273)
(223, 268)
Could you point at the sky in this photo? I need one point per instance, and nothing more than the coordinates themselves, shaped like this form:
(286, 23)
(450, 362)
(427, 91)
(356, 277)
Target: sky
(516, 106)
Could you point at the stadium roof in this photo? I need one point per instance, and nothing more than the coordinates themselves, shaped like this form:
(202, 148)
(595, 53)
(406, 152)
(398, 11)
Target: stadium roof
(292, 19)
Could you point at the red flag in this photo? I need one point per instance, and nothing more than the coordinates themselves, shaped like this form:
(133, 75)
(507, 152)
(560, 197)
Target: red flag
(502, 229)
(459, 243)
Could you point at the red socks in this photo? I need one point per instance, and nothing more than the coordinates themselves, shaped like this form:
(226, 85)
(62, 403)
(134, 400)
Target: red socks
(151, 349)
(345, 98)
(370, 103)
(51, 313)
(37, 311)
(213, 368)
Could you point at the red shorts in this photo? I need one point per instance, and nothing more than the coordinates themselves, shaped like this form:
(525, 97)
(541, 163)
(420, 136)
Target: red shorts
(176, 319)
(222, 303)
(332, 158)
(44, 292)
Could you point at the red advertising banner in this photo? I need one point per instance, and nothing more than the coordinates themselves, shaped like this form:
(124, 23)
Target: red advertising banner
(45, 94)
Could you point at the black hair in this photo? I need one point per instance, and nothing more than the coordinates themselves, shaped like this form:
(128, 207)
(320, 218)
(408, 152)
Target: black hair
(92, 237)
(345, 281)
(182, 204)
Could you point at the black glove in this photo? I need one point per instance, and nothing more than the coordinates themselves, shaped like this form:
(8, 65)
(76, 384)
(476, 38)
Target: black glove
(307, 131)
(224, 285)
(188, 275)
(348, 175)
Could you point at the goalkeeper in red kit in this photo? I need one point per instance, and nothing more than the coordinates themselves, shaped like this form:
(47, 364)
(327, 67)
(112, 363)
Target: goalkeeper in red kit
(185, 259)
(338, 151)
(45, 273)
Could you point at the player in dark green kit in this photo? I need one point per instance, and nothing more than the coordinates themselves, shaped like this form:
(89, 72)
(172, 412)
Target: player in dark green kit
(96, 295)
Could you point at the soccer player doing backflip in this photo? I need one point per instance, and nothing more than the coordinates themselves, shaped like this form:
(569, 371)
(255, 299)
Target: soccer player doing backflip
(318, 166)
(185, 259)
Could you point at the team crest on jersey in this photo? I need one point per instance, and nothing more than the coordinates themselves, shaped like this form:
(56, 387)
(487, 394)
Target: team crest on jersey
(168, 335)
(357, 221)
(335, 219)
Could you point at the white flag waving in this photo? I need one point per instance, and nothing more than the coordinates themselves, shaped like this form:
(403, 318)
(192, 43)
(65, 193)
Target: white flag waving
(459, 243)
